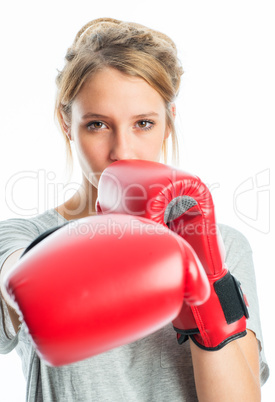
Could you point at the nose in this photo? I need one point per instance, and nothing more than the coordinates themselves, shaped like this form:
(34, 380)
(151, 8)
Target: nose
(122, 146)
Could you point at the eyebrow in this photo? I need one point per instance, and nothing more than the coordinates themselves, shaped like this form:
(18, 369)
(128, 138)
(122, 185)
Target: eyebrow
(101, 116)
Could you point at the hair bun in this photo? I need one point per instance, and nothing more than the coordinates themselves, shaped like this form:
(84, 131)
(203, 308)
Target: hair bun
(97, 24)
(103, 24)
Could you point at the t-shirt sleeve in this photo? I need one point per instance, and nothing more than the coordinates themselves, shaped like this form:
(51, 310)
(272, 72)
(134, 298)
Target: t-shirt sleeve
(239, 260)
(14, 235)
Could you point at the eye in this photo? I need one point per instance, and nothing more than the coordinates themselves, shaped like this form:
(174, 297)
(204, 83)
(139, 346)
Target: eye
(95, 125)
(146, 124)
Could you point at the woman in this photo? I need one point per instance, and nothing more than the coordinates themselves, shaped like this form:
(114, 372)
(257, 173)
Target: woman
(115, 101)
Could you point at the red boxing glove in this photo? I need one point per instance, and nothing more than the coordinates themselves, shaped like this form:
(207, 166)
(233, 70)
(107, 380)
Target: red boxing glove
(183, 203)
(101, 282)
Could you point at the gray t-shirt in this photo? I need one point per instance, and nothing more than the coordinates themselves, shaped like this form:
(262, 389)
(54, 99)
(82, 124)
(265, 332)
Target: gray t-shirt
(154, 368)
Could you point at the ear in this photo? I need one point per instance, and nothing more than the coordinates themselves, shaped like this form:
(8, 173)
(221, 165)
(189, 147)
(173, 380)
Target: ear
(173, 110)
(65, 126)
(173, 113)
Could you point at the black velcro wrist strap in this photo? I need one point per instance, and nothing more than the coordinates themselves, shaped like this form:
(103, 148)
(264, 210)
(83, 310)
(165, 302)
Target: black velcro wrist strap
(231, 298)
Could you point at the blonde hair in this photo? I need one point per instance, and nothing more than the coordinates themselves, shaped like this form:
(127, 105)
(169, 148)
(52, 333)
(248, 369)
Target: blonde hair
(130, 48)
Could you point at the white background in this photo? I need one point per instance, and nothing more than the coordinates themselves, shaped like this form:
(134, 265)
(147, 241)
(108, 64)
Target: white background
(225, 118)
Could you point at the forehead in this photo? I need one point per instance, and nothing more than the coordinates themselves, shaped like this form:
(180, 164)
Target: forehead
(110, 87)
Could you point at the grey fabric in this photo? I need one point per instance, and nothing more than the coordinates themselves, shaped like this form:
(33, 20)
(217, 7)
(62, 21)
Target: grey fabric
(177, 207)
(153, 369)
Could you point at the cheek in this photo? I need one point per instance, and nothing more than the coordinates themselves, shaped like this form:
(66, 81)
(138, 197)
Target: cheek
(82, 150)
(153, 149)
(89, 150)
(92, 159)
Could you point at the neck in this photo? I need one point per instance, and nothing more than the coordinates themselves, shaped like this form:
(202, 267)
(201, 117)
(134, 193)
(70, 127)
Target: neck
(81, 204)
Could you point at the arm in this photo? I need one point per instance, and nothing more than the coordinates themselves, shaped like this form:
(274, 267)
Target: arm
(237, 380)
(7, 266)
(226, 363)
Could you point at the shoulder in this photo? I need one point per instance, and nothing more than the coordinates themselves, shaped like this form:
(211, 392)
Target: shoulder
(16, 233)
(238, 252)
(234, 239)
(38, 224)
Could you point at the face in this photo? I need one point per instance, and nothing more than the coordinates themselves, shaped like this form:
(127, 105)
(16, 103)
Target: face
(114, 117)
